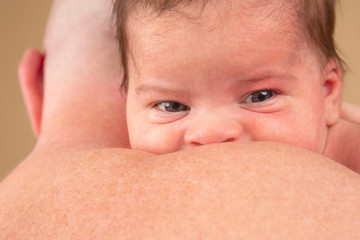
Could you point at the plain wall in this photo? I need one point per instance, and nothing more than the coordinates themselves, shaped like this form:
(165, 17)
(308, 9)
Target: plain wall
(22, 24)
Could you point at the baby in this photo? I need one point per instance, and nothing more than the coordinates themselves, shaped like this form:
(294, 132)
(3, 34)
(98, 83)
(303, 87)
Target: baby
(204, 72)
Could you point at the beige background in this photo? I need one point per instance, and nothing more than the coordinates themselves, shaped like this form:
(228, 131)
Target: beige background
(22, 24)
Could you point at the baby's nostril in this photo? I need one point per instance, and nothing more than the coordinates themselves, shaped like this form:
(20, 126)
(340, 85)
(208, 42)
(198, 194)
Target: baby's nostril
(196, 144)
(230, 140)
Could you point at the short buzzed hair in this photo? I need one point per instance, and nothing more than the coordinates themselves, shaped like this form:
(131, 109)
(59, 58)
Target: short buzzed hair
(315, 18)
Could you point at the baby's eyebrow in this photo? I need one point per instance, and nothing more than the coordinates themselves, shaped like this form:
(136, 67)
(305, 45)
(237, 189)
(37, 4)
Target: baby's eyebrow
(147, 88)
(266, 76)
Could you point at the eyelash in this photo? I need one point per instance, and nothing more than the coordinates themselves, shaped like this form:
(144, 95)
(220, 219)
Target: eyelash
(249, 97)
(184, 108)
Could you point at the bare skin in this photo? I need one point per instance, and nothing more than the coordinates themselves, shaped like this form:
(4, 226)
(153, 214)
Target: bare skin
(343, 144)
(223, 191)
(350, 112)
(81, 182)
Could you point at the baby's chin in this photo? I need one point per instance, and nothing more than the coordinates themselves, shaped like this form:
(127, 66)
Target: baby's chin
(161, 151)
(154, 149)
(317, 145)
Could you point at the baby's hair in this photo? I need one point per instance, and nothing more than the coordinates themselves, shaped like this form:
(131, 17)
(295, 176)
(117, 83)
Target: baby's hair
(316, 19)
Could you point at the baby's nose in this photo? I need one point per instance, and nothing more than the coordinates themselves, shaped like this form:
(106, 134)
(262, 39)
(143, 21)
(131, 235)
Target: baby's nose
(211, 130)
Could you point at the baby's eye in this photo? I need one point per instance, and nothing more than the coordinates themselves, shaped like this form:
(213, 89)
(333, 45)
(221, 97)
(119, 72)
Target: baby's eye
(171, 106)
(260, 96)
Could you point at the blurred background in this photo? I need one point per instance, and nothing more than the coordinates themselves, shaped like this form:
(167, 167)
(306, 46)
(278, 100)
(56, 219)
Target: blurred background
(22, 25)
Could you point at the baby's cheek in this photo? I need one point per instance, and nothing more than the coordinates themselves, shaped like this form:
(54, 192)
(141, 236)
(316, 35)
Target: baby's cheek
(295, 130)
(155, 139)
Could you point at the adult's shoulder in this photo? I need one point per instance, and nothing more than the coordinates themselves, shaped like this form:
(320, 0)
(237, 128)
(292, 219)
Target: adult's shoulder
(230, 191)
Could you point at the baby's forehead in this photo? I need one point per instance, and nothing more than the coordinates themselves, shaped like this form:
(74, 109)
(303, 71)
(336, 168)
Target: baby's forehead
(208, 15)
(213, 36)
(254, 18)
(193, 11)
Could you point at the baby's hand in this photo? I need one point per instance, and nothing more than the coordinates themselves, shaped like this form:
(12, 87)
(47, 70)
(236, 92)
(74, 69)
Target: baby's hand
(343, 141)
(350, 112)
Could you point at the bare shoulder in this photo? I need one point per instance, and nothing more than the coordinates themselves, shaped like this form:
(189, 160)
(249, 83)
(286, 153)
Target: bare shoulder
(225, 191)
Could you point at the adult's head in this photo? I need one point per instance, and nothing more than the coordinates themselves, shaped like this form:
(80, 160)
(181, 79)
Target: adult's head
(72, 91)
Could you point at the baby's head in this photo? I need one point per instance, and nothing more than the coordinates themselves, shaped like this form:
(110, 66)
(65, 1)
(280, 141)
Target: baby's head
(202, 72)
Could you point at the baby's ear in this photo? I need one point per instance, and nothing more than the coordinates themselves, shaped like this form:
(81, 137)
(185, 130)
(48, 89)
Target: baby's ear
(332, 86)
(31, 78)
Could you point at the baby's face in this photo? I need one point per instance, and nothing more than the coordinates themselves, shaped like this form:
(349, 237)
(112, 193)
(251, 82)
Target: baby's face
(222, 76)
